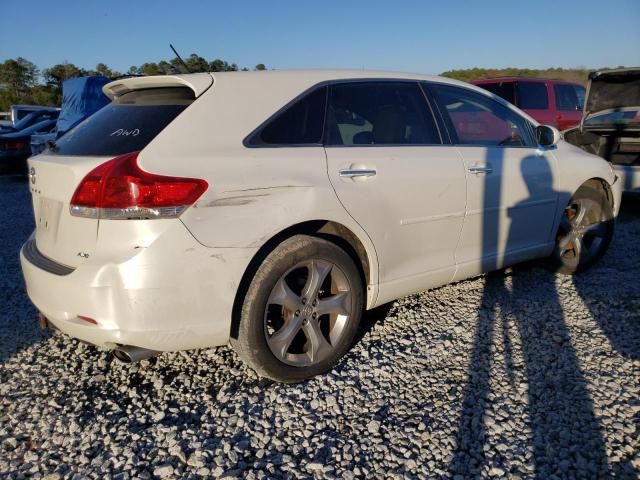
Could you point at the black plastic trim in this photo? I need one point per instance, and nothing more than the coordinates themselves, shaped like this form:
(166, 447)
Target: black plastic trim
(34, 256)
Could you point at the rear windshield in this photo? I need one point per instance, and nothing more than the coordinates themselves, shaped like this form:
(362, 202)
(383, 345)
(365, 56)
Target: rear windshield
(127, 124)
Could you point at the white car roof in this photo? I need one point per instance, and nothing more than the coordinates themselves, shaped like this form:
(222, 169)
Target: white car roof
(233, 104)
(200, 82)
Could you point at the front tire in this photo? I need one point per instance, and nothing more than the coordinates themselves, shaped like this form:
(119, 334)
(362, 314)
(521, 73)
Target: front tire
(585, 231)
(301, 310)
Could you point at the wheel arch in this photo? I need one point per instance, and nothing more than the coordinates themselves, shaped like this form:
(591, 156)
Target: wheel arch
(602, 185)
(335, 232)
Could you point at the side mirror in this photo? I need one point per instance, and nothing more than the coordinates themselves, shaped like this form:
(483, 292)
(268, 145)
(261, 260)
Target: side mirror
(547, 136)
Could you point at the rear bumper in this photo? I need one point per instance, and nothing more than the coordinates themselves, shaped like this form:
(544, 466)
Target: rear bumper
(174, 294)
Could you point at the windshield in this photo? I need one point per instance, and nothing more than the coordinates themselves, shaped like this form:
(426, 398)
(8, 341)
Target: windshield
(626, 118)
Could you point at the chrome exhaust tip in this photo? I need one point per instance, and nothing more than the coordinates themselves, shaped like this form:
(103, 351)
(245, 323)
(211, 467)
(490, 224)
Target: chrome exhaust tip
(131, 354)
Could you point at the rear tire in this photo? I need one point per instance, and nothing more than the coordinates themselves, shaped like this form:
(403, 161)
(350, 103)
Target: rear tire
(585, 231)
(301, 310)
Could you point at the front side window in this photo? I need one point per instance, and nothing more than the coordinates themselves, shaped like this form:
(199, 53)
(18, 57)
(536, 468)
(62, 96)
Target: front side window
(532, 96)
(300, 123)
(477, 119)
(567, 97)
(380, 113)
(504, 90)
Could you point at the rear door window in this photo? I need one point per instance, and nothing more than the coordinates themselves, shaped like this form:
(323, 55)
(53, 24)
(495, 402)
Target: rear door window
(127, 124)
(504, 90)
(567, 97)
(532, 96)
(380, 113)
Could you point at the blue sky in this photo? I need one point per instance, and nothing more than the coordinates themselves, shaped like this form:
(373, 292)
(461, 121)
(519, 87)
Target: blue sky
(420, 36)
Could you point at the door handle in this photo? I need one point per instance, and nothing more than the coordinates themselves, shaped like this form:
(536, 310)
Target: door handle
(479, 170)
(351, 173)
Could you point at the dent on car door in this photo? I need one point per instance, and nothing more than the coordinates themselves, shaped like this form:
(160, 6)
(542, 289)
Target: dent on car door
(391, 172)
(511, 194)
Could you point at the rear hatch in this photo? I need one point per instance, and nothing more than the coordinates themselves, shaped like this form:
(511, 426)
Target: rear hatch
(612, 90)
(141, 108)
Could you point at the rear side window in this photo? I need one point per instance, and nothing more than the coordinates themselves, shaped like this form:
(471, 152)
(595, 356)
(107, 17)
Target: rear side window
(504, 90)
(380, 113)
(567, 97)
(127, 124)
(580, 93)
(532, 96)
(477, 119)
(300, 123)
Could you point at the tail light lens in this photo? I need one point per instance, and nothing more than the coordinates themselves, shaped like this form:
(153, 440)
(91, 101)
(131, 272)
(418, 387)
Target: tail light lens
(14, 145)
(120, 189)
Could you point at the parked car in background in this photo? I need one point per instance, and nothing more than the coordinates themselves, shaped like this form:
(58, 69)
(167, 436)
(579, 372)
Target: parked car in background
(18, 112)
(15, 145)
(5, 119)
(269, 209)
(610, 126)
(81, 98)
(30, 119)
(550, 102)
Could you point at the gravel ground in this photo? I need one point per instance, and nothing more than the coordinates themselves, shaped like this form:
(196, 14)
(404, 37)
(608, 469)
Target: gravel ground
(518, 374)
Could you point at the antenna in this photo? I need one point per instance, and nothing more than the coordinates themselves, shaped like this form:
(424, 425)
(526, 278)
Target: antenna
(180, 58)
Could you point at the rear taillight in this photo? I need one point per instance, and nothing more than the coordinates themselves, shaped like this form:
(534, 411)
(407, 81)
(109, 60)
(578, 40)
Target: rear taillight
(13, 145)
(120, 189)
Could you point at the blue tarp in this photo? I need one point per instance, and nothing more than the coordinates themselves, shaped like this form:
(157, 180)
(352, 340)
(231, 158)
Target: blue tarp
(81, 98)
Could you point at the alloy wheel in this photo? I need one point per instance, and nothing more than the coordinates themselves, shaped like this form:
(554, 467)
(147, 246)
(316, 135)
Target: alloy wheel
(307, 312)
(582, 231)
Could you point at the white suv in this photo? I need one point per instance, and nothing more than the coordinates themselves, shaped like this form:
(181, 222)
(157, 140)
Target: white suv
(270, 208)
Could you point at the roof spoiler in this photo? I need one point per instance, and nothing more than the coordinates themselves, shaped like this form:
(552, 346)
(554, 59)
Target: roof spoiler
(198, 82)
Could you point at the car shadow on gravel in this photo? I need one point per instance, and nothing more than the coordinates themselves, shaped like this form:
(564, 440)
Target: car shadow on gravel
(564, 436)
(630, 207)
(371, 318)
(611, 311)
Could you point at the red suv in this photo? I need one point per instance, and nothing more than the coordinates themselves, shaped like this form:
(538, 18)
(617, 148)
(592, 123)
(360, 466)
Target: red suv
(550, 102)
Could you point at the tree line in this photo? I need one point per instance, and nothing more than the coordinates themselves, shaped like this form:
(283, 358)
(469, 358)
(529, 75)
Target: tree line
(576, 75)
(22, 82)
